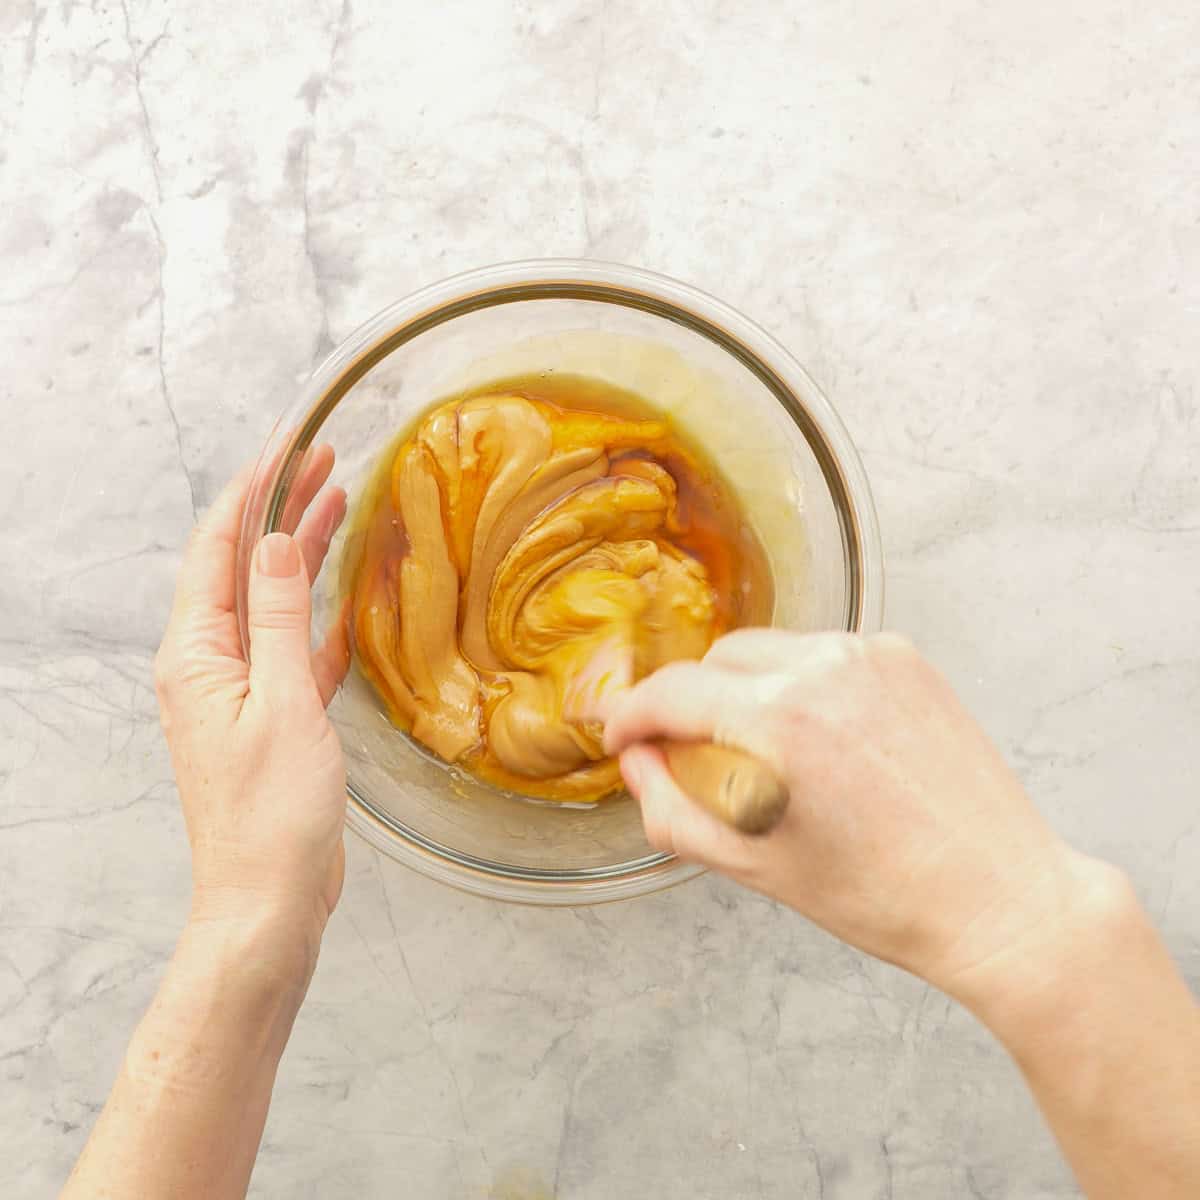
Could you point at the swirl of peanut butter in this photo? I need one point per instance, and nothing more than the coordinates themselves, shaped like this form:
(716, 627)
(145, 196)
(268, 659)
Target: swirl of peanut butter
(535, 541)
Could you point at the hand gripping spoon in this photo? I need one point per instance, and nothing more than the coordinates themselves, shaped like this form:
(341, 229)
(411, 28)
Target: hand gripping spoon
(734, 786)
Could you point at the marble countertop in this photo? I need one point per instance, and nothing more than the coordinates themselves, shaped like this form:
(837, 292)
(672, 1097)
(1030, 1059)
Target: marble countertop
(975, 223)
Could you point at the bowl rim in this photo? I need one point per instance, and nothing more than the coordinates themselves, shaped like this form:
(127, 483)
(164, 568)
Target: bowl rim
(573, 279)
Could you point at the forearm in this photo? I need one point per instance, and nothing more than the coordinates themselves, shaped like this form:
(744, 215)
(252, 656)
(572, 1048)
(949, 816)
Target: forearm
(1108, 1036)
(187, 1111)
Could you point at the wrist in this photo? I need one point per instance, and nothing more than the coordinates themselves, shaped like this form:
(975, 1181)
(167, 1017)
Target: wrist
(1072, 931)
(226, 1006)
(269, 940)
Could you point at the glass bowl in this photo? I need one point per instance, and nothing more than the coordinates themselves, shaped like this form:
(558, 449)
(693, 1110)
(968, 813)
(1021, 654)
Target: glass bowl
(730, 385)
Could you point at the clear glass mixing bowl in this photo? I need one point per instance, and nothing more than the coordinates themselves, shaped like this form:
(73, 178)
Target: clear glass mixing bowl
(732, 386)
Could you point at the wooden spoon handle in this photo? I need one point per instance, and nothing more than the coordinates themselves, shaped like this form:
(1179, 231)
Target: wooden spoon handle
(734, 786)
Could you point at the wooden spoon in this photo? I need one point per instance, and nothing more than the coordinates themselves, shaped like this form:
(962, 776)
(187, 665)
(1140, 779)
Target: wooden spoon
(735, 786)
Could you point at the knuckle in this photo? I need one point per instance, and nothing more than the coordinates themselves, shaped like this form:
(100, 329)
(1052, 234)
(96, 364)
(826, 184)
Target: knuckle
(766, 692)
(274, 617)
(678, 674)
(687, 847)
(885, 648)
(654, 694)
(821, 655)
(658, 834)
(733, 640)
(843, 649)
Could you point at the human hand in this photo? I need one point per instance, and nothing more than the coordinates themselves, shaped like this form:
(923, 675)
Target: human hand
(906, 835)
(260, 769)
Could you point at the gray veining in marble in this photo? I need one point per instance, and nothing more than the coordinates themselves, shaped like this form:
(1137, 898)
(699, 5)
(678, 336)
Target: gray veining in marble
(977, 225)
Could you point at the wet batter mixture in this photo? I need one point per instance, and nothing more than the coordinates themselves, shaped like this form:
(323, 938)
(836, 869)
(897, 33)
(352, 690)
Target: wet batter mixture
(523, 538)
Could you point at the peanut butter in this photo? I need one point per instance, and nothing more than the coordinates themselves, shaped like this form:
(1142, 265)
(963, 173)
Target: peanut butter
(521, 539)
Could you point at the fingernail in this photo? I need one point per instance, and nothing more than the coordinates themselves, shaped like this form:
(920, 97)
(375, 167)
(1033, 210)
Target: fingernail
(278, 556)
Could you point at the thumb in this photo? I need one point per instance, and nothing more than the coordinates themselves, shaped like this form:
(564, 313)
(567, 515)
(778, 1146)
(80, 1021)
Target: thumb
(279, 611)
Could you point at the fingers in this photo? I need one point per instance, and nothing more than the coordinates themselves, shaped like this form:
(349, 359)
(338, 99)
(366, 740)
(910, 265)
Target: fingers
(280, 609)
(641, 768)
(607, 674)
(774, 650)
(674, 824)
(317, 528)
(312, 476)
(207, 581)
(331, 662)
(752, 650)
(684, 701)
(206, 588)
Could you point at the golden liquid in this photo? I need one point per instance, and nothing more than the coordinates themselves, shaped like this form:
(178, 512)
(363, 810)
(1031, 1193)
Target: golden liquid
(706, 525)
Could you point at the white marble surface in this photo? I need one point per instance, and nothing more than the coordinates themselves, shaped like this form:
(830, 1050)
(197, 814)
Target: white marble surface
(976, 223)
